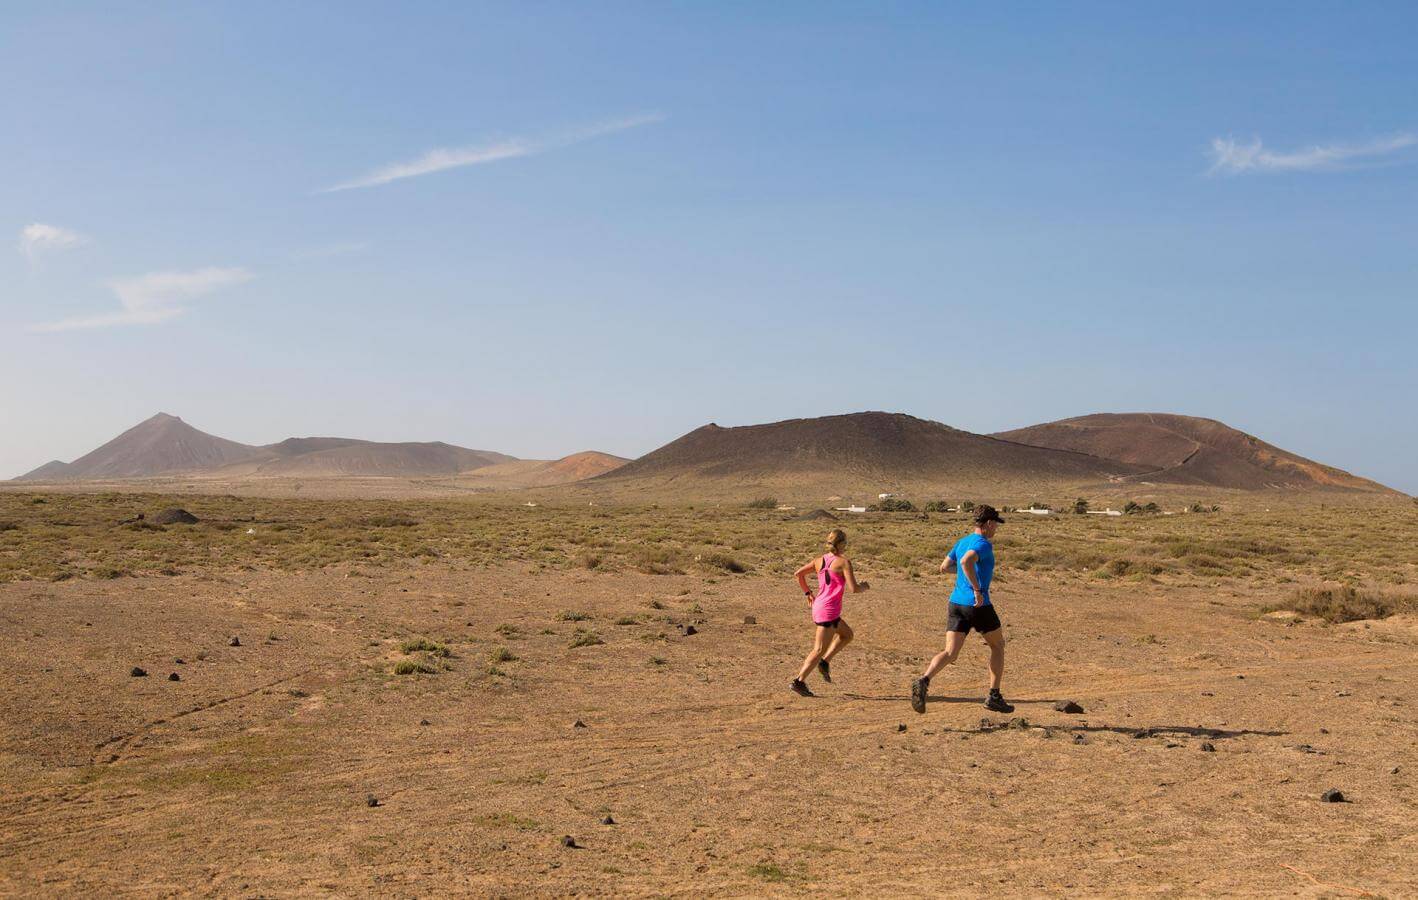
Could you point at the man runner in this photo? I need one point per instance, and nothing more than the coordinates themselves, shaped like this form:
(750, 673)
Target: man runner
(973, 562)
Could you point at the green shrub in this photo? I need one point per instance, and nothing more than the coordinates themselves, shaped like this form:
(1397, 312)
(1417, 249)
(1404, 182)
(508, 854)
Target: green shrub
(763, 503)
(569, 615)
(414, 667)
(424, 645)
(893, 504)
(502, 654)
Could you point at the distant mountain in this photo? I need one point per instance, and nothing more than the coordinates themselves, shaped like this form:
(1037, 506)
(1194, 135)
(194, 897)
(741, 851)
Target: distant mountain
(165, 445)
(1187, 450)
(861, 452)
(156, 446)
(54, 470)
(339, 457)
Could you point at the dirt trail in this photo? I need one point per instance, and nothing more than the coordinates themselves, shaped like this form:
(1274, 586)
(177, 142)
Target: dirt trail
(250, 775)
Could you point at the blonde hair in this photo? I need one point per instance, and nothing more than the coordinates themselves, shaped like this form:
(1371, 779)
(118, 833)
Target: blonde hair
(835, 539)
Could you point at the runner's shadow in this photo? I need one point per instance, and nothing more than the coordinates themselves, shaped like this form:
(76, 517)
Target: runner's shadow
(936, 698)
(988, 727)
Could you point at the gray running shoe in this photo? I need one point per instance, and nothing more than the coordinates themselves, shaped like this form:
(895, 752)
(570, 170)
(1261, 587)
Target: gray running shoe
(919, 687)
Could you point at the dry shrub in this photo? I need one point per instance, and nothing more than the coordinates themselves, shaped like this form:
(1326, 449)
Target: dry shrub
(1345, 604)
(723, 561)
(584, 638)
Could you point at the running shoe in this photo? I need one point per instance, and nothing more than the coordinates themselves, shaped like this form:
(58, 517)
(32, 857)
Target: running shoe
(801, 689)
(996, 703)
(918, 694)
(825, 669)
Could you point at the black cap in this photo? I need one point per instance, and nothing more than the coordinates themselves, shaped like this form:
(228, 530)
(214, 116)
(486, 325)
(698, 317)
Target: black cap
(987, 513)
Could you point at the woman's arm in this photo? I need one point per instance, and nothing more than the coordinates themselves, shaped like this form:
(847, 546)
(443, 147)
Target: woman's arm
(852, 584)
(801, 576)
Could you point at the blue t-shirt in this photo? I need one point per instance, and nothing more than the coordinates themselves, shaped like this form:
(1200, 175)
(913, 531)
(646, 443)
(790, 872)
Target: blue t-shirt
(984, 568)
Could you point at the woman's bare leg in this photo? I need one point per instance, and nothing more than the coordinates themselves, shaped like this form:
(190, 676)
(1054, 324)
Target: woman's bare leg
(819, 647)
(843, 638)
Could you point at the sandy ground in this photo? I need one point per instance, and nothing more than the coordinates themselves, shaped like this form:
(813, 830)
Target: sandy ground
(250, 775)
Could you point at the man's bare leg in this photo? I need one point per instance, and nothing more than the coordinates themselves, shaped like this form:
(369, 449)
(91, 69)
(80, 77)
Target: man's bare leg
(954, 640)
(996, 701)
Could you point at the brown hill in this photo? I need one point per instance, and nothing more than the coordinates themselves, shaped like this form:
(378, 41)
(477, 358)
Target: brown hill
(861, 452)
(156, 446)
(544, 472)
(1187, 450)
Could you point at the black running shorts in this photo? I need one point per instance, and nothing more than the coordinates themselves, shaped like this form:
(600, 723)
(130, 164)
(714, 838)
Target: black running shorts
(832, 624)
(983, 619)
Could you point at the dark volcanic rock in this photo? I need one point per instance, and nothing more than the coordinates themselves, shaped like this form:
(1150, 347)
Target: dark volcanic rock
(1334, 795)
(174, 677)
(1068, 706)
(234, 642)
(174, 516)
(1207, 747)
(578, 724)
(750, 620)
(371, 800)
(136, 672)
(569, 842)
(690, 629)
(607, 821)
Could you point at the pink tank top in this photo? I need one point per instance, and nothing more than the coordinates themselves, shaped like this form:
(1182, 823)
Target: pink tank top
(827, 606)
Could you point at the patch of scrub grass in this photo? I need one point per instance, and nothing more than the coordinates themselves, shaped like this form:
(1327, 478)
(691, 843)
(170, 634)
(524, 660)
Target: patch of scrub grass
(424, 645)
(627, 620)
(1345, 604)
(658, 661)
(495, 672)
(414, 667)
(570, 615)
(768, 872)
(585, 638)
(507, 820)
(1148, 639)
(502, 654)
(511, 632)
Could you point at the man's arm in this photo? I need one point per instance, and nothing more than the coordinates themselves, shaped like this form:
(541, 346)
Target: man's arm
(967, 565)
(947, 565)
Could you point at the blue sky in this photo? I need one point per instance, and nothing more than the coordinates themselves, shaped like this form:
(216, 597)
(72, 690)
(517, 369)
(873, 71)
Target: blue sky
(565, 227)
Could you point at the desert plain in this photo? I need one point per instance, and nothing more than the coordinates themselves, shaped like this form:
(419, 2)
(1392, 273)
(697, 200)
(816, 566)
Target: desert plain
(422, 697)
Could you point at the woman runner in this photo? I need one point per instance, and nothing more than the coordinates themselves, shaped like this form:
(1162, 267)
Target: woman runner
(834, 576)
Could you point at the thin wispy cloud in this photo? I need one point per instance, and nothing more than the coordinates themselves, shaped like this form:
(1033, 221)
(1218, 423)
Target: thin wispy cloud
(329, 251)
(38, 238)
(153, 298)
(1232, 157)
(443, 159)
